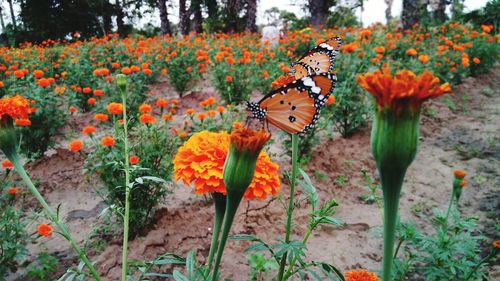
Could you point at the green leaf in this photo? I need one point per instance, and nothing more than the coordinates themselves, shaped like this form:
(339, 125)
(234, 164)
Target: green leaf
(179, 276)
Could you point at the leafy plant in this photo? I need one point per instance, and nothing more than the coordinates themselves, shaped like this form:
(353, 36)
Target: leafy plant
(43, 267)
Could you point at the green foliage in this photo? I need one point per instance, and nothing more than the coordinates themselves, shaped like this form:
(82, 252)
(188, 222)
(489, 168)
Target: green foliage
(488, 15)
(43, 267)
(260, 266)
(182, 69)
(153, 145)
(372, 187)
(342, 17)
(13, 236)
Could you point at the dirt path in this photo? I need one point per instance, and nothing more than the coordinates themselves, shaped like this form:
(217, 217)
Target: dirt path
(466, 138)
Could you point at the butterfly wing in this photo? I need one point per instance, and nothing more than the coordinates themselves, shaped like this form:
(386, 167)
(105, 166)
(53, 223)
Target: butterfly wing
(295, 107)
(318, 60)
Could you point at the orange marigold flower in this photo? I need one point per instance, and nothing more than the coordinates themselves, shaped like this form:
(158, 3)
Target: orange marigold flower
(330, 100)
(72, 109)
(86, 90)
(38, 73)
(75, 145)
(6, 164)
(133, 159)
(463, 184)
(201, 116)
(161, 102)
(16, 107)
(44, 230)
(91, 101)
(229, 78)
(147, 71)
(360, 275)
(98, 92)
(115, 108)
(496, 244)
(147, 118)
(366, 33)
(88, 130)
(237, 125)
(200, 161)
(220, 109)
(108, 141)
(167, 117)
(190, 111)
(126, 70)
(486, 28)
(282, 81)
(43, 82)
(12, 190)
(459, 174)
(423, 58)
(211, 113)
(101, 117)
(145, 108)
(380, 49)
(23, 122)
(403, 90)
(476, 60)
(411, 52)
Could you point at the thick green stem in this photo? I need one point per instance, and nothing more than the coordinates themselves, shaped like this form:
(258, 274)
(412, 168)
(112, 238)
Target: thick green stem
(126, 218)
(391, 185)
(232, 202)
(288, 230)
(14, 158)
(220, 208)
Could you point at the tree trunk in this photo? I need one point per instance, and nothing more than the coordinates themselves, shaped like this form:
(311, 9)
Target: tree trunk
(388, 12)
(211, 8)
(319, 12)
(440, 12)
(165, 24)
(183, 18)
(410, 14)
(197, 16)
(251, 16)
(232, 15)
(1, 19)
(119, 19)
(12, 15)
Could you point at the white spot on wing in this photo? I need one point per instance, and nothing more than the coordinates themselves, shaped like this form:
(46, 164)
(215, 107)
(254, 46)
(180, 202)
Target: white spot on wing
(321, 97)
(308, 82)
(316, 90)
(326, 46)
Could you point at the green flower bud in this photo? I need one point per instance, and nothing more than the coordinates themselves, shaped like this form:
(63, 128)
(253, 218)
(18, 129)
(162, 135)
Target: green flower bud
(121, 81)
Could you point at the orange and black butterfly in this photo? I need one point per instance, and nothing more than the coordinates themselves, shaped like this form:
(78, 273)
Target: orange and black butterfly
(295, 107)
(318, 60)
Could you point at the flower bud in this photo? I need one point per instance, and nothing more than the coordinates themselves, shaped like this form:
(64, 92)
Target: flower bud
(121, 81)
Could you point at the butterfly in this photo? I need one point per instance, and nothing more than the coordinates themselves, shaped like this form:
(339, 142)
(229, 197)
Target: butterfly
(318, 60)
(295, 107)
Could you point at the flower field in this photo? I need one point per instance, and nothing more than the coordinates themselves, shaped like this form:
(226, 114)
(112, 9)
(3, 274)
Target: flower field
(142, 160)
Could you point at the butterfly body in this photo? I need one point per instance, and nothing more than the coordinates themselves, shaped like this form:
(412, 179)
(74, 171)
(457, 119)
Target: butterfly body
(295, 107)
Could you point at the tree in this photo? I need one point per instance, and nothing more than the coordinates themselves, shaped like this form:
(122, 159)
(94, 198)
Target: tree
(195, 10)
(251, 16)
(183, 18)
(388, 12)
(120, 15)
(165, 23)
(440, 10)
(319, 11)
(12, 15)
(411, 13)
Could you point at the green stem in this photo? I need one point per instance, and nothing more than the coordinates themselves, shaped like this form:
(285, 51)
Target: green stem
(220, 208)
(127, 191)
(288, 273)
(14, 158)
(449, 206)
(232, 202)
(391, 190)
(288, 230)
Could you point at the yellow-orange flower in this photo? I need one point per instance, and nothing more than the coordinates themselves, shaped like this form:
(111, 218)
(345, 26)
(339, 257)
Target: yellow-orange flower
(75, 145)
(411, 52)
(44, 230)
(360, 275)
(16, 107)
(147, 118)
(496, 244)
(108, 141)
(459, 174)
(423, 58)
(145, 108)
(12, 190)
(404, 89)
(115, 108)
(200, 161)
(88, 130)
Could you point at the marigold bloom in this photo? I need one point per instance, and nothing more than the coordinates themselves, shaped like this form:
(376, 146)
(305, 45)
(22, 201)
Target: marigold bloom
(16, 107)
(23, 122)
(496, 244)
(229, 78)
(101, 117)
(133, 159)
(161, 102)
(282, 81)
(44, 230)
(220, 109)
(360, 275)
(75, 145)
(411, 52)
(200, 161)
(38, 74)
(126, 70)
(91, 101)
(145, 108)
(201, 116)
(12, 190)
(190, 111)
(115, 108)
(476, 60)
(147, 118)
(459, 174)
(6, 164)
(463, 184)
(423, 59)
(43, 82)
(167, 117)
(403, 90)
(72, 109)
(98, 92)
(330, 100)
(108, 141)
(88, 130)
(86, 90)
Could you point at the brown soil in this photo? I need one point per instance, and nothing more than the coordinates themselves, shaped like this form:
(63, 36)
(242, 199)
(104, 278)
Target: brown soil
(468, 138)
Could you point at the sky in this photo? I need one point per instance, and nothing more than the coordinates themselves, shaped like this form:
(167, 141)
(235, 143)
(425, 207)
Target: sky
(374, 10)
